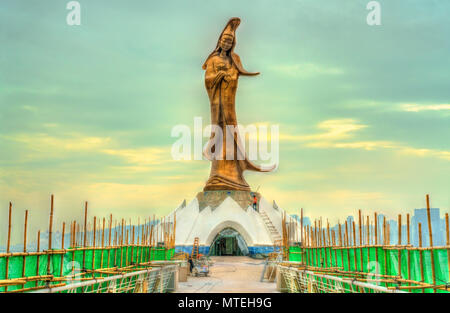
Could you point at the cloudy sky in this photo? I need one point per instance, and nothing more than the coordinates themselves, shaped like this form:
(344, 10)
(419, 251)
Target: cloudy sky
(86, 111)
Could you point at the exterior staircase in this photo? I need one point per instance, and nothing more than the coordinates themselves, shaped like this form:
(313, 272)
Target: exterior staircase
(274, 234)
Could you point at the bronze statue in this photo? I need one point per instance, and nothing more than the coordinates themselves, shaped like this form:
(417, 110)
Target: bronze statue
(223, 68)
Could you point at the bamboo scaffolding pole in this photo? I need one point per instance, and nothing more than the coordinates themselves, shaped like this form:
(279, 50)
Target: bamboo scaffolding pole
(360, 242)
(301, 227)
(341, 243)
(50, 233)
(354, 245)
(430, 231)
(25, 224)
(347, 244)
(447, 230)
(62, 247)
(376, 241)
(85, 234)
(399, 243)
(408, 242)
(139, 240)
(109, 239)
(421, 254)
(132, 247)
(37, 249)
(8, 244)
(103, 242)
(93, 250)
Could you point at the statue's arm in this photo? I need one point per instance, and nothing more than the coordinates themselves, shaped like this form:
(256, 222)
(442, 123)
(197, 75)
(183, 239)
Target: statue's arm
(212, 75)
(238, 63)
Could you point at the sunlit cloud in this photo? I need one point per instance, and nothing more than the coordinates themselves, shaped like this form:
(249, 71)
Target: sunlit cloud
(69, 141)
(334, 129)
(340, 132)
(142, 156)
(414, 107)
(366, 145)
(426, 153)
(306, 70)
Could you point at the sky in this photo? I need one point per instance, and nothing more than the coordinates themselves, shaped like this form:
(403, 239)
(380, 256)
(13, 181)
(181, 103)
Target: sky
(86, 111)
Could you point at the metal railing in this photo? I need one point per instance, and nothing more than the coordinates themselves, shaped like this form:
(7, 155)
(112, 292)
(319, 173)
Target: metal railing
(154, 280)
(306, 281)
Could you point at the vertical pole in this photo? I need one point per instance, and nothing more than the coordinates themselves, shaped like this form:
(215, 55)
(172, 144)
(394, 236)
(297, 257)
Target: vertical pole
(8, 244)
(50, 230)
(368, 241)
(93, 248)
(38, 256)
(430, 231)
(329, 243)
(62, 247)
(24, 244)
(409, 243)
(335, 250)
(74, 243)
(354, 245)
(85, 235)
(132, 245)
(448, 242)
(400, 244)
(103, 243)
(421, 255)
(376, 242)
(109, 240)
(347, 245)
(360, 242)
(386, 243)
(341, 244)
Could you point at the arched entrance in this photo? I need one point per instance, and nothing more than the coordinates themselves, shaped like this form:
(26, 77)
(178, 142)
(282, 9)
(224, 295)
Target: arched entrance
(228, 242)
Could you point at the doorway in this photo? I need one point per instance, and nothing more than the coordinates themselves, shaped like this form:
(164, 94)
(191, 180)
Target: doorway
(228, 243)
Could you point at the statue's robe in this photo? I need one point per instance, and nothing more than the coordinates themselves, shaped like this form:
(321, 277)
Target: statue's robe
(221, 81)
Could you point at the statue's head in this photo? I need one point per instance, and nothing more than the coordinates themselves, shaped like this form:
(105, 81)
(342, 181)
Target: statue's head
(226, 42)
(227, 38)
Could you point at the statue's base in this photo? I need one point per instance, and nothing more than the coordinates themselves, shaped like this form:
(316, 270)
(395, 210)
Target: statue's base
(213, 198)
(220, 183)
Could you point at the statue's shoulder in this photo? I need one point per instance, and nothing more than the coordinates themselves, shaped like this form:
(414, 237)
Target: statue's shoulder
(236, 56)
(213, 59)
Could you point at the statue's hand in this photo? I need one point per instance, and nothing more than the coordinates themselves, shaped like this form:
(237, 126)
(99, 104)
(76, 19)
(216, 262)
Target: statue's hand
(227, 78)
(218, 77)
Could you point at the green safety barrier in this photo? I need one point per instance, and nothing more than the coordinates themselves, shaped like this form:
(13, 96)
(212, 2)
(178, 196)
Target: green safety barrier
(72, 261)
(368, 259)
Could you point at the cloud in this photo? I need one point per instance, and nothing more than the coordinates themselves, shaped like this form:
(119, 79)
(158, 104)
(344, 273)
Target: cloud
(142, 156)
(339, 132)
(366, 145)
(306, 70)
(334, 129)
(415, 107)
(442, 154)
(69, 141)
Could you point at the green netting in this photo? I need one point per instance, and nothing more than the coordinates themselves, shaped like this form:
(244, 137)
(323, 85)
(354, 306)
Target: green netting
(295, 254)
(382, 261)
(74, 261)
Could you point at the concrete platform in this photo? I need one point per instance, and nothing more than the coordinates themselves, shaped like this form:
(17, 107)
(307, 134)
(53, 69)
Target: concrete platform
(230, 274)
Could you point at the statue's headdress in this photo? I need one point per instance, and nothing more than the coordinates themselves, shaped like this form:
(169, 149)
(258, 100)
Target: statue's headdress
(230, 30)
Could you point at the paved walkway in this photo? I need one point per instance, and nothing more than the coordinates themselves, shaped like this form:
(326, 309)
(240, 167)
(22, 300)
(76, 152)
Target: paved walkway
(230, 274)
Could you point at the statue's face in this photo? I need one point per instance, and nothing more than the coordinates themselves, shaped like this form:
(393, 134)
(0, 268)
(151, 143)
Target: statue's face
(226, 42)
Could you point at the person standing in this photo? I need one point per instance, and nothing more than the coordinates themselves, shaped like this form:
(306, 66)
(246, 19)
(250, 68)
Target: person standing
(255, 203)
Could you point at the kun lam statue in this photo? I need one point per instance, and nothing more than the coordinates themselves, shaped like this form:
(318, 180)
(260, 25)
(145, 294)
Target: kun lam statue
(223, 68)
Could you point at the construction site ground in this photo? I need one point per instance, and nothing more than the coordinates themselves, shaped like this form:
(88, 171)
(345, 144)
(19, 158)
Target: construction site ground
(230, 274)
